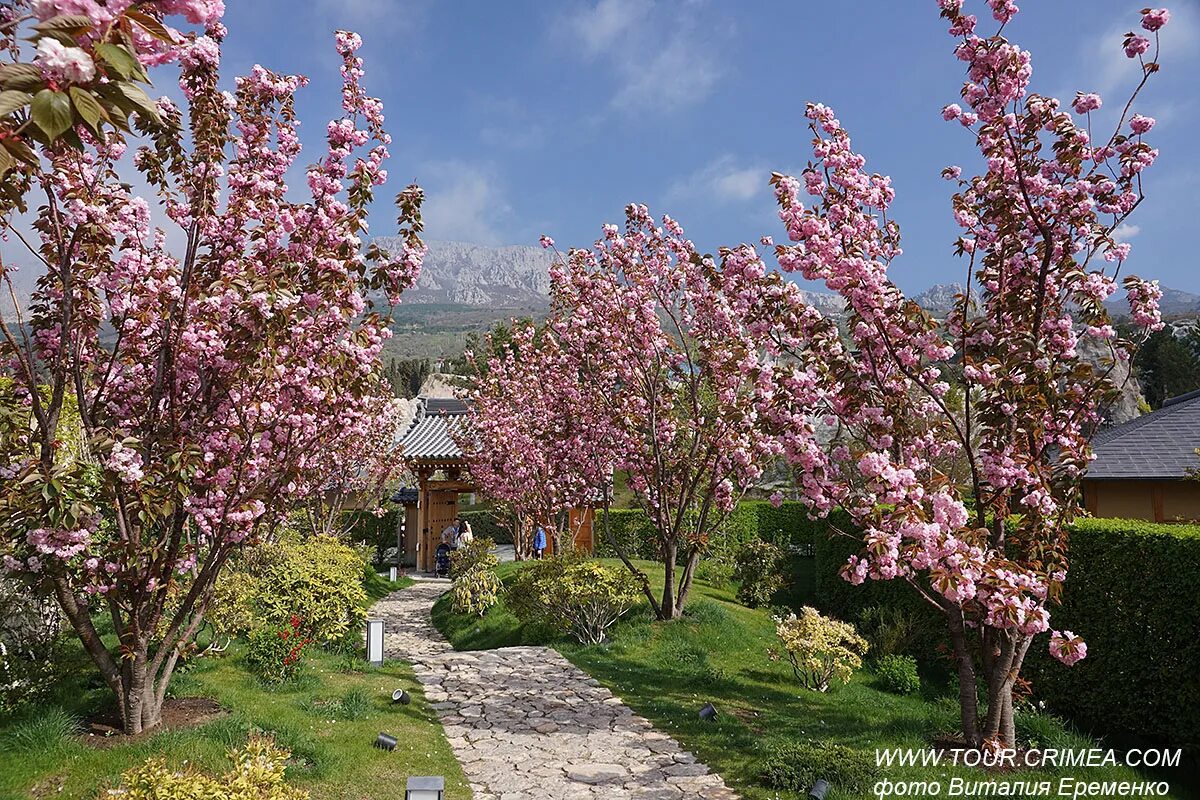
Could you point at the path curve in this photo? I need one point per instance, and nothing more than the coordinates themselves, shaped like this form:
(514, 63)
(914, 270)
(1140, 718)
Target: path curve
(526, 724)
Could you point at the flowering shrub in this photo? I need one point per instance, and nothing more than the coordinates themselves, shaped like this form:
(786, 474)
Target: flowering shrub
(274, 655)
(574, 595)
(821, 650)
(758, 572)
(258, 774)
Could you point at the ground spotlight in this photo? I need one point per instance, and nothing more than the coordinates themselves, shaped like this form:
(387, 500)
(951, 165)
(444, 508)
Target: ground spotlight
(385, 741)
(402, 697)
(708, 713)
(819, 789)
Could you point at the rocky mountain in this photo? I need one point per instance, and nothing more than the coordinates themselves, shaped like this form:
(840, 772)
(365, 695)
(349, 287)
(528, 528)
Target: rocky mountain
(475, 275)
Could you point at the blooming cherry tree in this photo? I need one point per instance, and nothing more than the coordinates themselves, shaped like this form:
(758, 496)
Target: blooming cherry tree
(536, 438)
(212, 377)
(678, 357)
(998, 386)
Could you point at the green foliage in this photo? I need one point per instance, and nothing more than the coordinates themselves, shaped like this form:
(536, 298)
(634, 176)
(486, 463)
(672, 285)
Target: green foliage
(258, 774)
(574, 595)
(475, 591)
(274, 655)
(716, 572)
(232, 610)
(476, 555)
(1167, 367)
(377, 532)
(318, 580)
(46, 730)
(898, 674)
(889, 630)
(485, 526)
(1131, 593)
(757, 572)
(406, 376)
(29, 643)
(795, 766)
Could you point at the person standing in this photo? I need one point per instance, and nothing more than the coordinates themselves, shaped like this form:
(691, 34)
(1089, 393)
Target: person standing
(539, 542)
(465, 536)
(450, 535)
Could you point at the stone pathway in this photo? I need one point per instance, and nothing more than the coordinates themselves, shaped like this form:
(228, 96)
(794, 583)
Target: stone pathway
(526, 724)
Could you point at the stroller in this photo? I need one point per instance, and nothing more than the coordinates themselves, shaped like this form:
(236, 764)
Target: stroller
(442, 561)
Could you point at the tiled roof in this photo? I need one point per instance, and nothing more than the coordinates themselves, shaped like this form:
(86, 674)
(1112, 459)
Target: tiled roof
(431, 435)
(1159, 445)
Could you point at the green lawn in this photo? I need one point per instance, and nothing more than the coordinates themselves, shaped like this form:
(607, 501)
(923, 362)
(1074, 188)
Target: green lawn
(329, 719)
(718, 653)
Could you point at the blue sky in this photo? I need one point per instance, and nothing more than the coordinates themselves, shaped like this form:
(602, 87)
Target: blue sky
(522, 118)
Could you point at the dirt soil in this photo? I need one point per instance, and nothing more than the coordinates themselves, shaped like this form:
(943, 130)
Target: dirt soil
(104, 730)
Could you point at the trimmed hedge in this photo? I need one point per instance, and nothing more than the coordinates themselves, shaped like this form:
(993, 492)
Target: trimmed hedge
(787, 526)
(1133, 594)
(485, 526)
(377, 532)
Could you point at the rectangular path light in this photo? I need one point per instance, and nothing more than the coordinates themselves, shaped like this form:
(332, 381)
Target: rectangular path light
(392, 574)
(425, 789)
(375, 642)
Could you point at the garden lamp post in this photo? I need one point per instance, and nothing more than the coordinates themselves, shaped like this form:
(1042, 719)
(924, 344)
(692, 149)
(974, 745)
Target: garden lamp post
(375, 642)
(431, 788)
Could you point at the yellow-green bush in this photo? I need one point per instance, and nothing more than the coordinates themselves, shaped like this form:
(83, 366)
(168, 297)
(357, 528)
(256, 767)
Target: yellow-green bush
(318, 580)
(573, 594)
(820, 649)
(257, 775)
(476, 590)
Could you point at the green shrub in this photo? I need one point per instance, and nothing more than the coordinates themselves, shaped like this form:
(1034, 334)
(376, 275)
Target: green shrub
(274, 655)
(795, 766)
(574, 595)
(1131, 593)
(888, 630)
(29, 643)
(716, 572)
(258, 774)
(318, 580)
(898, 674)
(44, 730)
(476, 555)
(376, 531)
(757, 572)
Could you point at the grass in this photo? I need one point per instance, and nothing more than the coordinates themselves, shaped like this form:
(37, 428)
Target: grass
(328, 718)
(718, 653)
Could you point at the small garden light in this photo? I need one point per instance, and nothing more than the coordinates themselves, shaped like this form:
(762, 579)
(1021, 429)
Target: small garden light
(402, 697)
(385, 741)
(392, 574)
(708, 713)
(431, 788)
(819, 789)
(375, 642)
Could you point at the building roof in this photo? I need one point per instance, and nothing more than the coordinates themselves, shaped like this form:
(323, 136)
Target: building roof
(1160, 445)
(430, 437)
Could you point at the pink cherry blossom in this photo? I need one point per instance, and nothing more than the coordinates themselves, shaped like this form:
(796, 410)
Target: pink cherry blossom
(72, 64)
(1085, 102)
(1155, 18)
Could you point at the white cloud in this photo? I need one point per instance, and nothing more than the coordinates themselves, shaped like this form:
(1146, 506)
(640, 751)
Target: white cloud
(680, 74)
(724, 180)
(1111, 71)
(464, 203)
(1126, 231)
(660, 60)
(601, 26)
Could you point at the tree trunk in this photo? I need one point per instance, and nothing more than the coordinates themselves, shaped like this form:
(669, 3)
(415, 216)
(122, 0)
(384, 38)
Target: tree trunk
(685, 580)
(668, 608)
(968, 699)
